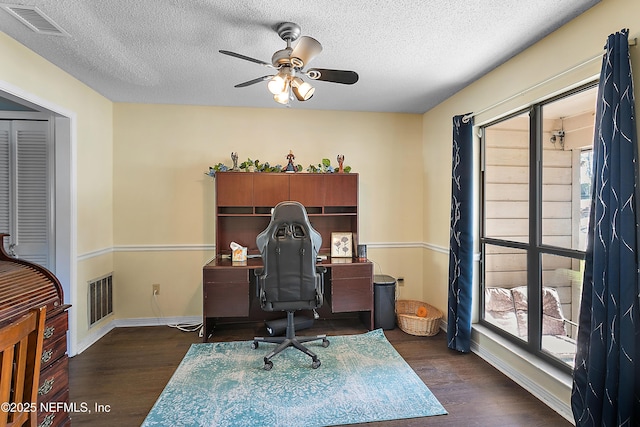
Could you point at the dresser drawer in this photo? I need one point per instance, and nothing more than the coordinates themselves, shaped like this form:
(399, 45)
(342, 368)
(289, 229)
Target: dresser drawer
(53, 379)
(57, 416)
(55, 327)
(52, 351)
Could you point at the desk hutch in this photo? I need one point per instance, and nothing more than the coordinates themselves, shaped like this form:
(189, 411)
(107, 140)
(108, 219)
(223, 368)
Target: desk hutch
(243, 209)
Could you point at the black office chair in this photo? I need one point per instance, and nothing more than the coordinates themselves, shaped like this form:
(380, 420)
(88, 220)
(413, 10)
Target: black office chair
(290, 280)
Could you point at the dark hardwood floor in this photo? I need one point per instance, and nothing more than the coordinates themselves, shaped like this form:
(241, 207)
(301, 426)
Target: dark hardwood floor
(126, 371)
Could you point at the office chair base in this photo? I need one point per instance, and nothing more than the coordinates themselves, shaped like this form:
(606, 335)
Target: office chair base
(290, 341)
(284, 343)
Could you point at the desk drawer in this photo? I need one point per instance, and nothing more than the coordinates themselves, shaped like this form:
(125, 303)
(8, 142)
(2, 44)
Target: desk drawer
(353, 294)
(226, 275)
(226, 299)
(349, 271)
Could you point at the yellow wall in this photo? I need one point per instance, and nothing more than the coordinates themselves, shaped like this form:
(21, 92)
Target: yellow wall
(526, 78)
(92, 132)
(163, 202)
(575, 43)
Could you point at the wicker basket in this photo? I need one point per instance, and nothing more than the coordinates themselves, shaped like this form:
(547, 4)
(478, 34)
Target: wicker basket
(410, 323)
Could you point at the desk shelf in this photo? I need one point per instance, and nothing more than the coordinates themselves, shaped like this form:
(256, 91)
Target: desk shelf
(244, 201)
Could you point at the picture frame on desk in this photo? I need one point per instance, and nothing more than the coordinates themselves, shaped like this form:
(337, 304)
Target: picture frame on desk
(341, 245)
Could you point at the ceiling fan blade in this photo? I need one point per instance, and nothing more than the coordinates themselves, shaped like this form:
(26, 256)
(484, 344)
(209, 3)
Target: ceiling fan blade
(334, 76)
(306, 49)
(246, 58)
(254, 81)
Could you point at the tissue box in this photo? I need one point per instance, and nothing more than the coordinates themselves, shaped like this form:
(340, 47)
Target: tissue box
(239, 255)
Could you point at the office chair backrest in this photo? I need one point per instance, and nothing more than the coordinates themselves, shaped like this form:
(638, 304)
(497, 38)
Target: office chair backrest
(20, 358)
(289, 247)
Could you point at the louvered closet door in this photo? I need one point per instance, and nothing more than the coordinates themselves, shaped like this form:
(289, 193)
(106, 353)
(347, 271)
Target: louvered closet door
(29, 199)
(5, 179)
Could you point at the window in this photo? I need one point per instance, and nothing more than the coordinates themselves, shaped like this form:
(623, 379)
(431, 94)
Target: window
(536, 196)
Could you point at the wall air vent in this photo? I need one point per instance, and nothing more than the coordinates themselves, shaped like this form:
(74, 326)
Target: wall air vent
(35, 19)
(100, 297)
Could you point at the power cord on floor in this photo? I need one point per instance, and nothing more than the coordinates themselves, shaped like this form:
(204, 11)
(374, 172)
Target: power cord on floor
(185, 327)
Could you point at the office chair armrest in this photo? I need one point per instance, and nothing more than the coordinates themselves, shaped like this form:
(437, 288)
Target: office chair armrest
(258, 273)
(320, 270)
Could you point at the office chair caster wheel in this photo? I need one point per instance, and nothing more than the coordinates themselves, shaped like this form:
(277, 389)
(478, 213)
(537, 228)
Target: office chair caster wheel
(268, 364)
(254, 345)
(315, 364)
(325, 343)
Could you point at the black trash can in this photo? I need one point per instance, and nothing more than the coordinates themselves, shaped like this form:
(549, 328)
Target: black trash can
(384, 301)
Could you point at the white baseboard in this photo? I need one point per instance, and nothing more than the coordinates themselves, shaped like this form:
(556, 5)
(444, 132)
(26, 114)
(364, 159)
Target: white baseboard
(103, 330)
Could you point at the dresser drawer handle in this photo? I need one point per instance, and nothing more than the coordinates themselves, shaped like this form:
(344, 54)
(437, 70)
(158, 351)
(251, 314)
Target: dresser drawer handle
(46, 387)
(49, 331)
(48, 421)
(46, 355)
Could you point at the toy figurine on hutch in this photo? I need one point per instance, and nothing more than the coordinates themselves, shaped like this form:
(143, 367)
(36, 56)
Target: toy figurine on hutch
(340, 163)
(234, 158)
(290, 166)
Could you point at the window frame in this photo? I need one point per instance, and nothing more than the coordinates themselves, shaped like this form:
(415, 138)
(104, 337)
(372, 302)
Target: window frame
(534, 248)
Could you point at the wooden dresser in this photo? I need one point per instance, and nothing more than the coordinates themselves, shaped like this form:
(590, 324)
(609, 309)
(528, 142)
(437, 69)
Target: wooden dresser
(23, 286)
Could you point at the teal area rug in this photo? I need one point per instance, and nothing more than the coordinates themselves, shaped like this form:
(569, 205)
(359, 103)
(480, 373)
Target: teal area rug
(362, 379)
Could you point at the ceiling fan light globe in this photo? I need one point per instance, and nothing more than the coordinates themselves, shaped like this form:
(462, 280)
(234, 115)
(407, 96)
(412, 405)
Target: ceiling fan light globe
(282, 98)
(277, 85)
(302, 90)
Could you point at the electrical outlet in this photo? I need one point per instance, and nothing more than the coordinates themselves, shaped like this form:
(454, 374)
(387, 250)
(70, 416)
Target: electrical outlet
(400, 281)
(156, 288)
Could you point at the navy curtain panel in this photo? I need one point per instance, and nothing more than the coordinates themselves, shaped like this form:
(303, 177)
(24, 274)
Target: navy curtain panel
(606, 377)
(461, 237)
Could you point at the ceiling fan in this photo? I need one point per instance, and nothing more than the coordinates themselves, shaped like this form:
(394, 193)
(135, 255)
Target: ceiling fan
(288, 65)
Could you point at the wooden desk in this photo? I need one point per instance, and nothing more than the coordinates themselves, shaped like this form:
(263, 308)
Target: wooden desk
(229, 291)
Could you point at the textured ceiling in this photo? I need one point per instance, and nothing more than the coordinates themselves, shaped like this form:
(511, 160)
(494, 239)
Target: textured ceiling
(410, 54)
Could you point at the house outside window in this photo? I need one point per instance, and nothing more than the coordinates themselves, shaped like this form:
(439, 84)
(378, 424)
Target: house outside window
(536, 195)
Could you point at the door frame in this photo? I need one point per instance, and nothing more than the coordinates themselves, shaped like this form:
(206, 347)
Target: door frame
(65, 214)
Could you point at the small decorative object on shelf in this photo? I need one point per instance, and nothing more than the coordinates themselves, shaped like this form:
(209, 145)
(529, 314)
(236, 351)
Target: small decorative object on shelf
(234, 159)
(290, 166)
(325, 167)
(341, 245)
(255, 166)
(220, 167)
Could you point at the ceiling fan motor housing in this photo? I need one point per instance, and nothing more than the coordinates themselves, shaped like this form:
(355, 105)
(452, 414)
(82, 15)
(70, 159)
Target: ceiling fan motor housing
(281, 57)
(288, 31)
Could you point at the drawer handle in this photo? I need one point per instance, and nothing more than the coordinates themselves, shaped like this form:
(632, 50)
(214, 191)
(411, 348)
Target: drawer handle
(48, 331)
(48, 421)
(46, 387)
(46, 355)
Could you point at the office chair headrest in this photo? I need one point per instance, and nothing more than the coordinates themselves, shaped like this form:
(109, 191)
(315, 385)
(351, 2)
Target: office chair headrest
(294, 215)
(289, 211)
